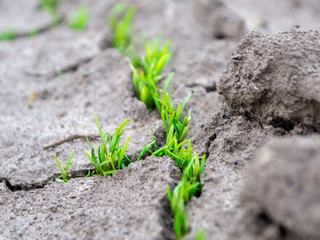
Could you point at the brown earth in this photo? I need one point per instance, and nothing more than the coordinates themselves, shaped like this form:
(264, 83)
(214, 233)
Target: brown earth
(266, 85)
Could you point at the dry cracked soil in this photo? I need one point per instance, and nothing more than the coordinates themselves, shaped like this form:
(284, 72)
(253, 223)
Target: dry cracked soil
(255, 66)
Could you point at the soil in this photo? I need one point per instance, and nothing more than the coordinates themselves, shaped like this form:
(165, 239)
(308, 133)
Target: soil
(255, 90)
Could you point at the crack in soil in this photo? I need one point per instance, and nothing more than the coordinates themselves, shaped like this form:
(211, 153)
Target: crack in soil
(166, 218)
(210, 88)
(66, 69)
(40, 30)
(42, 184)
(70, 138)
(208, 144)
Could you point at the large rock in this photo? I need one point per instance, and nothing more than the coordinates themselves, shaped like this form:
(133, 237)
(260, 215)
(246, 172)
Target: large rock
(281, 194)
(276, 79)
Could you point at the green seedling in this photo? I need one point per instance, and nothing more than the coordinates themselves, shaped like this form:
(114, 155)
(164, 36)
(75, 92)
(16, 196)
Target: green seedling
(146, 72)
(8, 34)
(171, 117)
(79, 20)
(180, 196)
(148, 146)
(187, 160)
(50, 6)
(33, 33)
(120, 22)
(145, 150)
(171, 145)
(109, 151)
(64, 175)
(49, 3)
(189, 186)
(200, 235)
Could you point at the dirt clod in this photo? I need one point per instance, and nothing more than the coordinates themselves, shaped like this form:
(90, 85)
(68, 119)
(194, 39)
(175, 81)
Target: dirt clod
(275, 79)
(280, 193)
(131, 204)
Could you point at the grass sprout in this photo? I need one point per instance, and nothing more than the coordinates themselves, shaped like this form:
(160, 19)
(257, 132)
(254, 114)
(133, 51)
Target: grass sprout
(146, 72)
(33, 33)
(182, 193)
(79, 20)
(120, 22)
(178, 198)
(8, 34)
(109, 151)
(190, 185)
(146, 149)
(51, 7)
(64, 175)
(171, 117)
(200, 235)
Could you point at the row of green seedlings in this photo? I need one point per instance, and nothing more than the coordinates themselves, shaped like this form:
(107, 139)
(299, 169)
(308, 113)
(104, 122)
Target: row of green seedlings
(146, 76)
(77, 21)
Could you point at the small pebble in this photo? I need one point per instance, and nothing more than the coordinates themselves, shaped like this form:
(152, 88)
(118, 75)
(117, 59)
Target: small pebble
(235, 162)
(230, 149)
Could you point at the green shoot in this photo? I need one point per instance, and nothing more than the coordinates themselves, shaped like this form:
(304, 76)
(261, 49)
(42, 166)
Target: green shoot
(8, 34)
(146, 149)
(49, 3)
(33, 33)
(154, 144)
(170, 117)
(190, 184)
(200, 235)
(79, 20)
(64, 175)
(146, 72)
(109, 151)
(121, 28)
(51, 7)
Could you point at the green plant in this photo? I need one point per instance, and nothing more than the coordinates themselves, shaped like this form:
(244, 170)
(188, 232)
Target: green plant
(146, 149)
(122, 31)
(8, 34)
(109, 151)
(180, 196)
(64, 175)
(148, 146)
(182, 193)
(190, 185)
(200, 235)
(146, 71)
(49, 3)
(51, 7)
(79, 20)
(33, 33)
(171, 117)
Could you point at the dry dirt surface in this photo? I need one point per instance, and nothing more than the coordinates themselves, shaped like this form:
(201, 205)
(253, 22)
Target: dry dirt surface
(257, 82)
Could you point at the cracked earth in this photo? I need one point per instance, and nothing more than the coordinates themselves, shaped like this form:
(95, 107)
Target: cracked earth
(255, 114)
